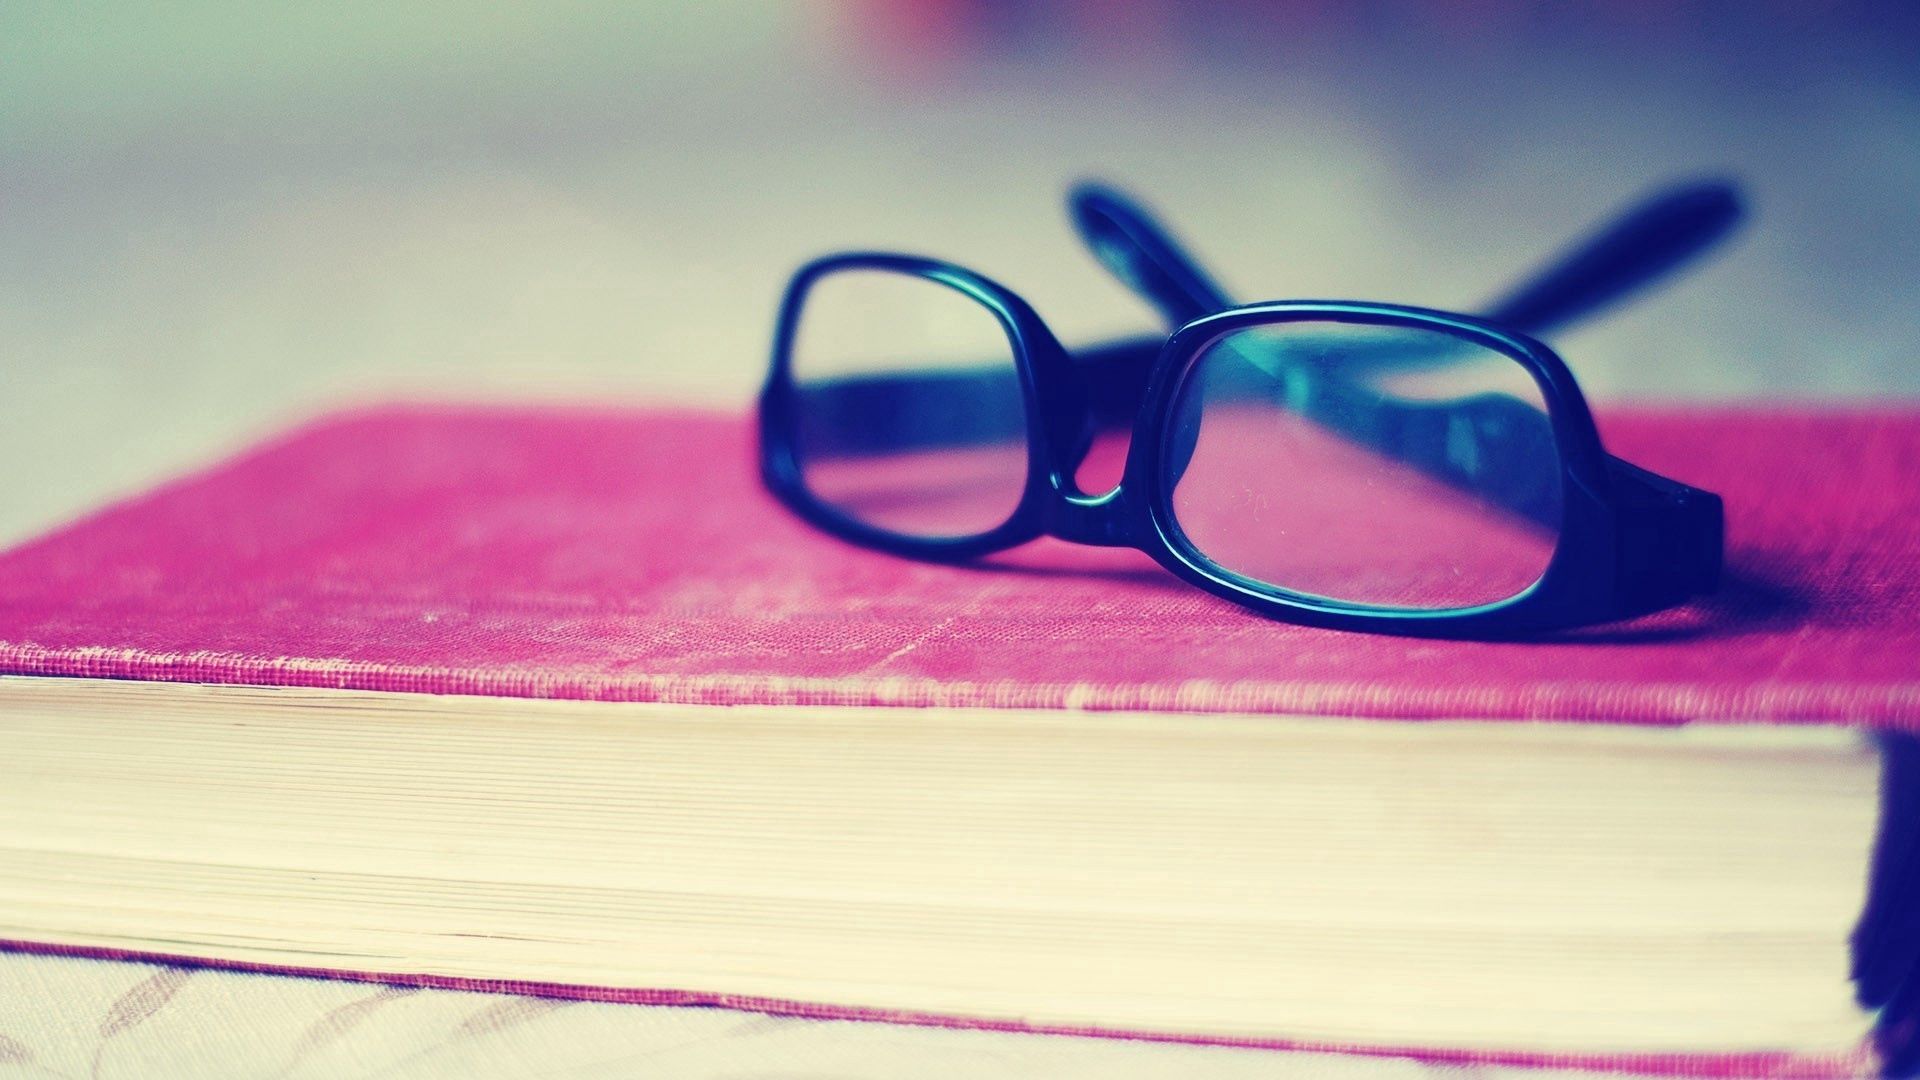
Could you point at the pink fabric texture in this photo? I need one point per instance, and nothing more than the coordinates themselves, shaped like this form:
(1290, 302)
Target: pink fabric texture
(633, 556)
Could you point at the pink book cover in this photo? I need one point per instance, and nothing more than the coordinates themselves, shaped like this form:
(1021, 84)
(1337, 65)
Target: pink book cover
(632, 556)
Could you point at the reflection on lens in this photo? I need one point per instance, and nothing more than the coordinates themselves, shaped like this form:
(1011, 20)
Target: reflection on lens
(910, 416)
(1383, 466)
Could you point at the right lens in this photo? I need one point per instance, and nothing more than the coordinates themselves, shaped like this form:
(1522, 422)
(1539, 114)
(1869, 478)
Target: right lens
(909, 411)
(1388, 466)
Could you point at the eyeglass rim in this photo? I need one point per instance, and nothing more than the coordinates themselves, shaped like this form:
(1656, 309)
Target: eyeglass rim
(782, 469)
(1578, 586)
(1576, 442)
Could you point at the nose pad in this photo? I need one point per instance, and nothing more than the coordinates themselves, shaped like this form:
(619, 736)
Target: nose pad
(1102, 463)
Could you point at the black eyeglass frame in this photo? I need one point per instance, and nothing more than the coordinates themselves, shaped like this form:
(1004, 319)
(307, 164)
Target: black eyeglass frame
(1629, 541)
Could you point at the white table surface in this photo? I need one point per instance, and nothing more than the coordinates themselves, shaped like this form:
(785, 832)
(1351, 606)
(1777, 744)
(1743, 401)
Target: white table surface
(79, 1018)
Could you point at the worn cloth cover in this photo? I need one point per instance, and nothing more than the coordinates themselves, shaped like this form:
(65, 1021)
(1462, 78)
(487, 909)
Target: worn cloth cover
(633, 556)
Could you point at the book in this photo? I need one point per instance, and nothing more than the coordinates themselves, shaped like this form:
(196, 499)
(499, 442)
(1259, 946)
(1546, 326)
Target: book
(560, 700)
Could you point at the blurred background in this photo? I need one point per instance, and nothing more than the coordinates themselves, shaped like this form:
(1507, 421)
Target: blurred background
(217, 218)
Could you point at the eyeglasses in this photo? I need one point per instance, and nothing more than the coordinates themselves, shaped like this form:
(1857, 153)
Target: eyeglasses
(1348, 464)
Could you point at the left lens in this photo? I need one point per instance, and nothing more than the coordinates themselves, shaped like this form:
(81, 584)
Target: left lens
(1389, 466)
(909, 415)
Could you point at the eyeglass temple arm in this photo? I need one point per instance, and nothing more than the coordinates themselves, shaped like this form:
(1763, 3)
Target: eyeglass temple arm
(1652, 239)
